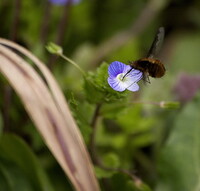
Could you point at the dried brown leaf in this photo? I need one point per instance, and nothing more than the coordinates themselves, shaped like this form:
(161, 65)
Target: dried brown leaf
(50, 113)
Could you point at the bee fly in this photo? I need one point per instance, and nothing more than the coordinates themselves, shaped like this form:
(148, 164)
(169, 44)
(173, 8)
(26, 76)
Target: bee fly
(151, 66)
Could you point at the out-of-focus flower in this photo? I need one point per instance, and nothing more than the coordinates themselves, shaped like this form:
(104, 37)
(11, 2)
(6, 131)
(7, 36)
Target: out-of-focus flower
(186, 87)
(121, 77)
(64, 2)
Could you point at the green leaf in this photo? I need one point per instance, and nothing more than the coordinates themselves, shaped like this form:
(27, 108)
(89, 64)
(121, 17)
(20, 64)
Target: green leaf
(101, 173)
(132, 120)
(3, 181)
(93, 94)
(143, 187)
(112, 110)
(14, 151)
(142, 140)
(97, 89)
(179, 167)
(12, 178)
(124, 182)
(115, 141)
(111, 160)
(83, 118)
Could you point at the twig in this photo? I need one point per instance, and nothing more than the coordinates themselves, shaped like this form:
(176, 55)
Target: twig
(139, 25)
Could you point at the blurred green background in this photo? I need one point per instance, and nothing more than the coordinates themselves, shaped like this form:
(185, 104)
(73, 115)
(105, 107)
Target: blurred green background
(161, 146)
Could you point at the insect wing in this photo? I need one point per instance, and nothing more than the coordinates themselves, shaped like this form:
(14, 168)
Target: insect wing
(157, 43)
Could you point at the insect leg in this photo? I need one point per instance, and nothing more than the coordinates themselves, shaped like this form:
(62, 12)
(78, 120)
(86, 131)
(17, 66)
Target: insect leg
(127, 73)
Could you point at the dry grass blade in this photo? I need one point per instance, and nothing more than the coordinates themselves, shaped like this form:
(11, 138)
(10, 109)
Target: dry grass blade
(50, 113)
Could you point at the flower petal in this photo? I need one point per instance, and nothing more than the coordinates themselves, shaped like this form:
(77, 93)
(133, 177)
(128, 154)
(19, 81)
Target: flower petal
(116, 68)
(134, 75)
(132, 78)
(116, 84)
(134, 87)
(122, 77)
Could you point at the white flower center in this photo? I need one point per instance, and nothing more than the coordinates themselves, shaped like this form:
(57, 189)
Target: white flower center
(121, 77)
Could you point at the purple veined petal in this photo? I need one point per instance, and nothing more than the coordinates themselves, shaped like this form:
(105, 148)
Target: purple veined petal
(116, 84)
(130, 81)
(116, 68)
(122, 77)
(134, 87)
(134, 76)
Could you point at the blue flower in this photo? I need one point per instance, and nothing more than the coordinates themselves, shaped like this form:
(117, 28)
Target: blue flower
(120, 80)
(64, 2)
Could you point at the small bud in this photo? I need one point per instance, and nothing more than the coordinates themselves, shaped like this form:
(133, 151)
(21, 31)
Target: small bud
(54, 48)
(170, 104)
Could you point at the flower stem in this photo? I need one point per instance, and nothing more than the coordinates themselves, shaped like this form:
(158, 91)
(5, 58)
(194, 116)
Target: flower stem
(146, 102)
(74, 64)
(97, 161)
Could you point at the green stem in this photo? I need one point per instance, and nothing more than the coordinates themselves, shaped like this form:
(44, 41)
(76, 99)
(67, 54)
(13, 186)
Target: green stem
(74, 64)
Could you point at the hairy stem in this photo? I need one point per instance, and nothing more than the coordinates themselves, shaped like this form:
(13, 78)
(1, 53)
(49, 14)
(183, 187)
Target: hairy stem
(74, 64)
(97, 161)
